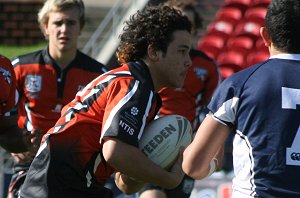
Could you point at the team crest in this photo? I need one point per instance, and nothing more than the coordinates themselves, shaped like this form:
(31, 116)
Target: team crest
(6, 75)
(33, 83)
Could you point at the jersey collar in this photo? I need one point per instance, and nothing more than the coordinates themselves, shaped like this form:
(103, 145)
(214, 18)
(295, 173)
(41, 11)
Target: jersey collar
(287, 56)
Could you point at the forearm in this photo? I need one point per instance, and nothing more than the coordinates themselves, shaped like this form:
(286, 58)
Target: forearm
(207, 145)
(126, 184)
(132, 162)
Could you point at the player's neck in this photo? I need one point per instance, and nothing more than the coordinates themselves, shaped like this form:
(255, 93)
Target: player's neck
(63, 58)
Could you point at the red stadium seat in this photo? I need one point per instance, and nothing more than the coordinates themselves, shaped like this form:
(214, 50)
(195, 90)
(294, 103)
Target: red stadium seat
(240, 4)
(256, 57)
(249, 29)
(222, 29)
(229, 14)
(211, 45)
(260, 3)
(226, 72)
(240, 44)
(230, 61)
(260, 45)
(256, 14)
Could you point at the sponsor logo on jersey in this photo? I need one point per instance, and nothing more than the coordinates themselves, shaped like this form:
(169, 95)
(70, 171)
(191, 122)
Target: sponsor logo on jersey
(33, 83)
(134, 111)
(295, 156)
(126, 127)
(6, 75)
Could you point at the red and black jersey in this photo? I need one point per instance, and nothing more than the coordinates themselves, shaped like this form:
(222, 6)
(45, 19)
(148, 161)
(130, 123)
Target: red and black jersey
(200, 82)
(44, 87)
(117, 104)
(7, 85)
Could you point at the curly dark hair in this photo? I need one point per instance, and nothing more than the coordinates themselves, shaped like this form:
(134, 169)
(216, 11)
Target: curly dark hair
(154, 26)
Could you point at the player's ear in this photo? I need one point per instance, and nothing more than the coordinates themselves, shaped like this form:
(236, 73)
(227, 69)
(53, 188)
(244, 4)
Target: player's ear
(265, 36)
(153, 54)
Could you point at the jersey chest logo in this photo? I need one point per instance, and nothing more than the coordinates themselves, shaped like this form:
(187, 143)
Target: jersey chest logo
(33, 83)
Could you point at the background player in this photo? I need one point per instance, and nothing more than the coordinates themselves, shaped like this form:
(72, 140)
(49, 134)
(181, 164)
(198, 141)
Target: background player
(190, 101)
(261, 105)
(49, 78)
(12, 138)
(99, 130)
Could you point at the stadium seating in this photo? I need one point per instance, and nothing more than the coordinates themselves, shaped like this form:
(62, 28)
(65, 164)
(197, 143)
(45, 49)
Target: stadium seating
(256, 15)
(233, 37)
(240, 4)
(211, 45)
(260, 45)
(260, 3)
(249, 29)
(220, 28)
(256, 57)
(229, 14)
(230, 61)
(241, 44)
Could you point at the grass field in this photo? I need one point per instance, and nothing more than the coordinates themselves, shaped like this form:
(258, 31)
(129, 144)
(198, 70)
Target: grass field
(11, 51)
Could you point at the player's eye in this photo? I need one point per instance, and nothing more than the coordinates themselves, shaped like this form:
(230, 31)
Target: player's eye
(71, 22)
(58, 23)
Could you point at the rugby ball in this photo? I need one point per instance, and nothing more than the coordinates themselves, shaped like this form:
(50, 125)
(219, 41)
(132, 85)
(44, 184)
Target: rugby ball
(163, 137)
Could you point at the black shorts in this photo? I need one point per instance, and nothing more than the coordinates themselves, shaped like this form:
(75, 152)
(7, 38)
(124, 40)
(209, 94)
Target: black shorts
(183, 190)
(51, 177)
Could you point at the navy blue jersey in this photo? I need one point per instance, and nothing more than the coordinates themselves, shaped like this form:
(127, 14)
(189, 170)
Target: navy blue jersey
(260, 104)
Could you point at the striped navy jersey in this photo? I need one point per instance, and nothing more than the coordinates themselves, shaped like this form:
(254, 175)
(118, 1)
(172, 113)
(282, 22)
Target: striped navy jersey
(261, 105)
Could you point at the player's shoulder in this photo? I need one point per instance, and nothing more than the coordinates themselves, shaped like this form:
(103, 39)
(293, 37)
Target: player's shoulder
(91, 63)
(244, 75)
(29, 58)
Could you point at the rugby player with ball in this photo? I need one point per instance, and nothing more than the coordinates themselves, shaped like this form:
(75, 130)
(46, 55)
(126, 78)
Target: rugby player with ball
(99, 131)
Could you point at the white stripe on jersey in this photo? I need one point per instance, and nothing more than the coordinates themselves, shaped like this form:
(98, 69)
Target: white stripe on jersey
(16, 61)
(29, 126)
(146, 115)
(81, 92)
(244, 166)
(227, 112)
(120, 104)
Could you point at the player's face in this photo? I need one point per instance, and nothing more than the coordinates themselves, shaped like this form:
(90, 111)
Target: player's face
(63, 29)
(176, 61)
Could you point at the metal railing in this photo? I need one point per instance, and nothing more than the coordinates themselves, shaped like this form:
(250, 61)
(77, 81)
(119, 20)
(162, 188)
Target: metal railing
(104, 40)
